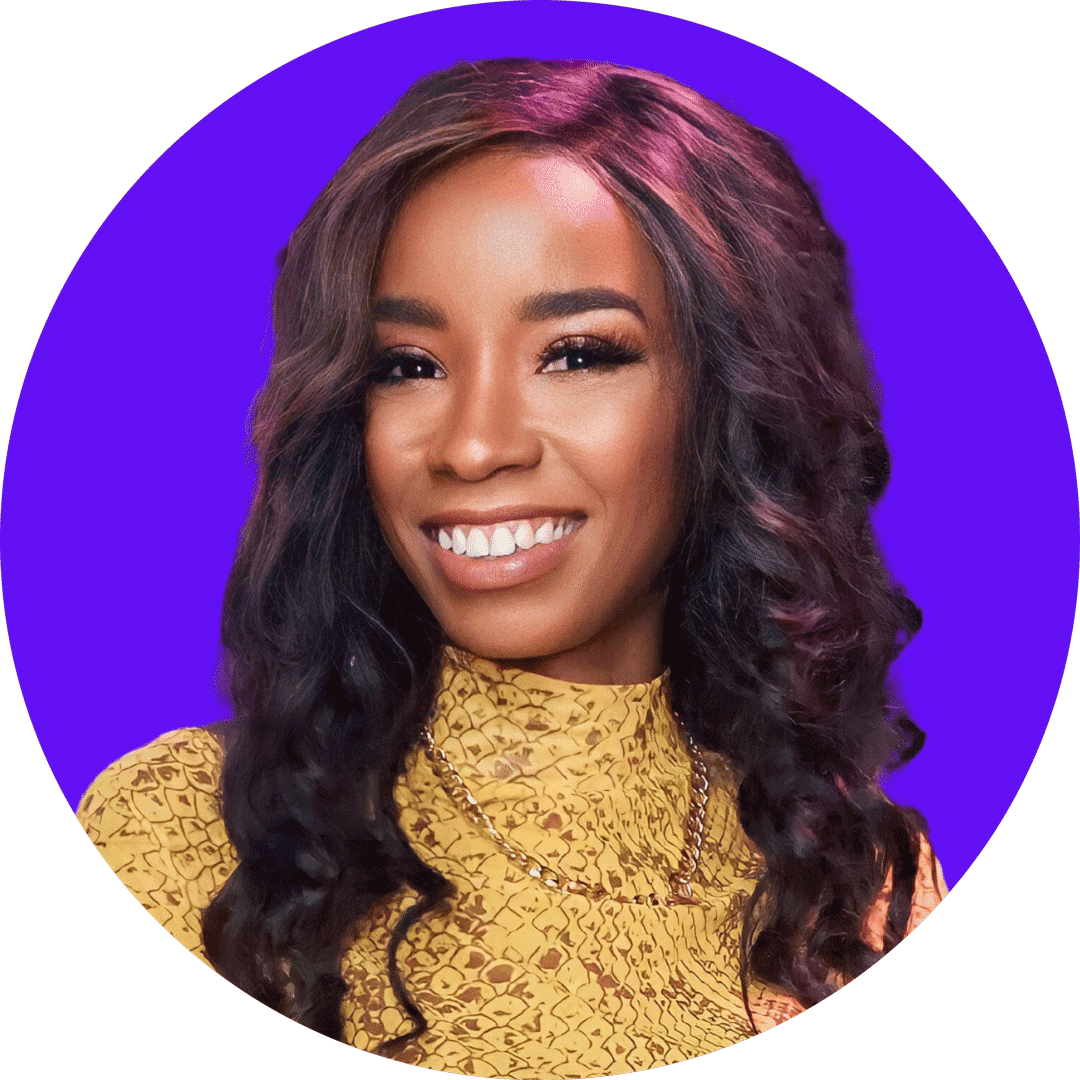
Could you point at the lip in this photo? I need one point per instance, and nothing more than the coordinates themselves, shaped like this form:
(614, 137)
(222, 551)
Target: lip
(506, 571)
(495, 515)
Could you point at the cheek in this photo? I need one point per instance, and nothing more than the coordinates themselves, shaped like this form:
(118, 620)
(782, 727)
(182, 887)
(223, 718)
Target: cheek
(637, 444)
(385, 465)
(627, 453)
(375, 460)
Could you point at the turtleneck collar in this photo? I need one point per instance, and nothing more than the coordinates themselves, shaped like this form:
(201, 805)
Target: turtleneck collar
(502, 723)
(566, 769)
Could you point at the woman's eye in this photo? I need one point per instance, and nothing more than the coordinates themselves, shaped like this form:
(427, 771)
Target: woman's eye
(579, 354)
(397, 367)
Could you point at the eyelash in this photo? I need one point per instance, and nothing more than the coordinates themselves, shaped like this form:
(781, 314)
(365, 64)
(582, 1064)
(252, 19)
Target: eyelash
(598, 352)
(393, 359)
(590, 352)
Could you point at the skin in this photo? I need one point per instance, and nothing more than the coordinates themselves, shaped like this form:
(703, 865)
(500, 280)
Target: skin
(478, 417)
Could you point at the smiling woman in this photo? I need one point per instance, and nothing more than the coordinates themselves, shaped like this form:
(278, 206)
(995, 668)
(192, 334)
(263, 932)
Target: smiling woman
(525, 411)
(559, 637)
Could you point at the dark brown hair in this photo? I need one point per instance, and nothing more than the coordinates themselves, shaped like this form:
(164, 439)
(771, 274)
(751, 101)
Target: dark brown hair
(782, 621)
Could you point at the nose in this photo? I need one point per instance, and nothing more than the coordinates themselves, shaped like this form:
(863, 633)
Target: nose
(486, 428)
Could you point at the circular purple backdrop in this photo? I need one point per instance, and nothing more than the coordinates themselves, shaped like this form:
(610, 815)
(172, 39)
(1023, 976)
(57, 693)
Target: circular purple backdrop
(128, 474)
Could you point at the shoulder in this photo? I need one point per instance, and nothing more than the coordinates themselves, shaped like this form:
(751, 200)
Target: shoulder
(177, 775)
(155, 818)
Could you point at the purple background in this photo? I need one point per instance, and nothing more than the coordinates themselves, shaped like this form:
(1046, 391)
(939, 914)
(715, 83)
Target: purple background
(128, 474)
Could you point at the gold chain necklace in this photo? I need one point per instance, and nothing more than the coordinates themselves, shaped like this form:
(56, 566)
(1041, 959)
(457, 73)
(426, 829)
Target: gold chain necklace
(679, 882)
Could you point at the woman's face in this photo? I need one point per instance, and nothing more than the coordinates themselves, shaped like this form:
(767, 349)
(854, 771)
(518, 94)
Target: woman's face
(521, 434)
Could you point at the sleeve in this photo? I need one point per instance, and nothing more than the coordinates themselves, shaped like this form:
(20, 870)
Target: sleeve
(154, 817)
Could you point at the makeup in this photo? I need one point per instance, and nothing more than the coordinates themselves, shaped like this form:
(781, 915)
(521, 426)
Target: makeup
(522, 417)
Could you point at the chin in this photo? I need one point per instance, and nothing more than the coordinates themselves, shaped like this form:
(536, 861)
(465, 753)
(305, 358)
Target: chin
(504, 647)
(510, 639)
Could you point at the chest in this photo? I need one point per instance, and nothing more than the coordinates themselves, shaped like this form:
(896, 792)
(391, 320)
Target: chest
(515, 979)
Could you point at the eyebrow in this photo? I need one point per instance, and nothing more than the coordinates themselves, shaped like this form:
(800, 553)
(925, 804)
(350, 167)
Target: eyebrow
(410, 311)
(555, 305)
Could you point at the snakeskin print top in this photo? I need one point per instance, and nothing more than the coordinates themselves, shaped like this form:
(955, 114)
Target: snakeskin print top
(515, 979)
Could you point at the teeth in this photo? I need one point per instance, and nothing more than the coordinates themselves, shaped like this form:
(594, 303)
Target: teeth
(502, 542)
(478, 547)
(524, 537)
(504, 539)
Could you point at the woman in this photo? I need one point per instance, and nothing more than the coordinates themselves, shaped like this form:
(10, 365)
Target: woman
(559, 638)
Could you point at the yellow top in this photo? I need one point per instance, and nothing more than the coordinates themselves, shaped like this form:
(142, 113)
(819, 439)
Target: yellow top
(516, 979)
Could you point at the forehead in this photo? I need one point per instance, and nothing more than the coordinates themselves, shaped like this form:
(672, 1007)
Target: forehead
(517, 222)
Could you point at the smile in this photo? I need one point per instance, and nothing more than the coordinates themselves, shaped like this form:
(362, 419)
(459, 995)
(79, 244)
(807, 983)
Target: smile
(501, 539)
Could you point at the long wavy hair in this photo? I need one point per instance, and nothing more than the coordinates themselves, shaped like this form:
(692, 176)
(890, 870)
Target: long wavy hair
(782, 621)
